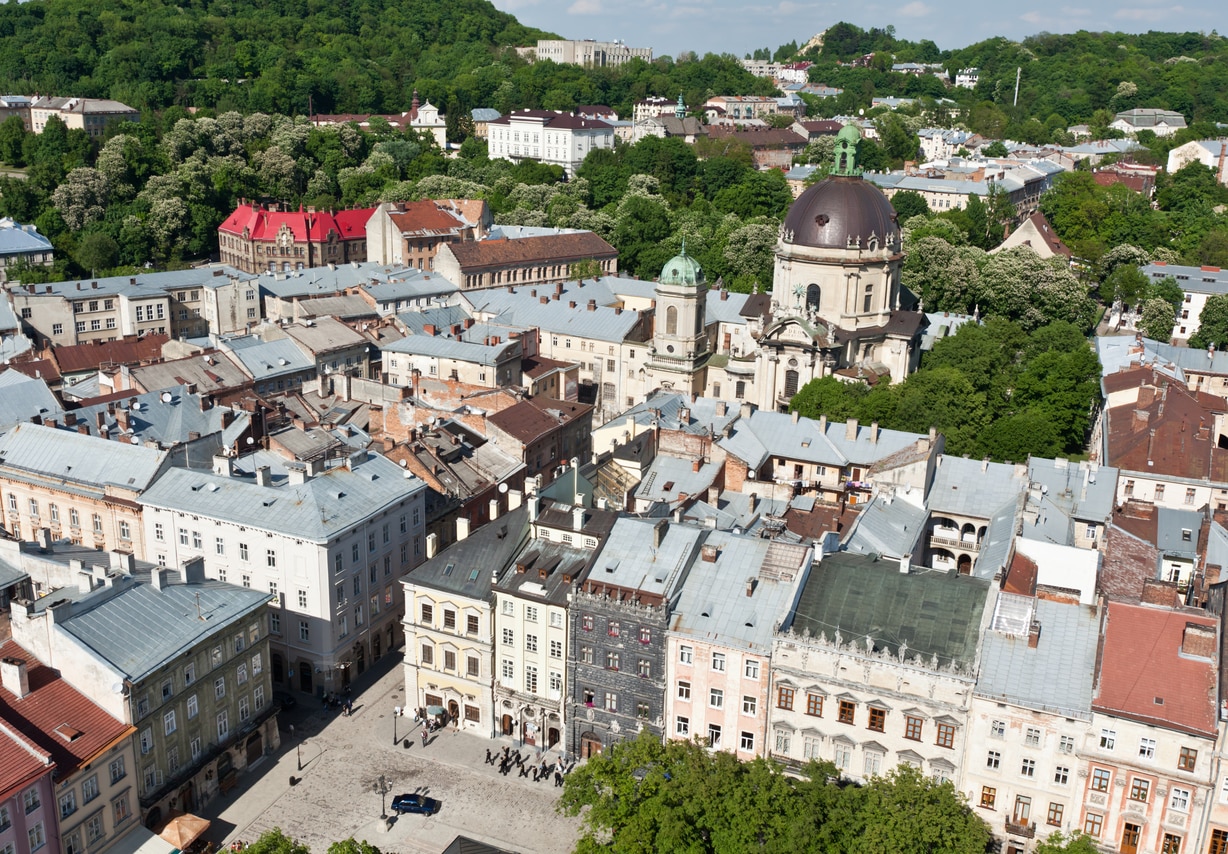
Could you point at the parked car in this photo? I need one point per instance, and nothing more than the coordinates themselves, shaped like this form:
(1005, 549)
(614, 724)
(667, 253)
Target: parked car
(415, 803)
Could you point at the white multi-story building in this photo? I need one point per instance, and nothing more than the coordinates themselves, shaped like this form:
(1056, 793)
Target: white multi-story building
(967, 78)
(589, 52)
(1030, 717)
(875, 666)
(328, 541)
(1198, 284)
(547, 136)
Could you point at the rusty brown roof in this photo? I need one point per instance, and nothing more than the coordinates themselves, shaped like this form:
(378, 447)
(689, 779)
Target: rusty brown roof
(531, 419)
(1168, 432)
(550, 248)
(72, 358)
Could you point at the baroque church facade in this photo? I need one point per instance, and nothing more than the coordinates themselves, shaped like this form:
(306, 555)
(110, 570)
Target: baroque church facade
(836, 308)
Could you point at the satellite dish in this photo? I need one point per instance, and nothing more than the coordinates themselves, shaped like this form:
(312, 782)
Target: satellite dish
(250, 440)
(503, 489)
(404, 463)
(166, 397)
(117, 688)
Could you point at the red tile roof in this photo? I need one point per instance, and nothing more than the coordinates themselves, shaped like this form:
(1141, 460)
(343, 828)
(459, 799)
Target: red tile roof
(57, 717)
(128, 351)
(1145, 676)
(554, 248)
(39, 369)
(1168, 432)
(20, 763)
(531, 419)
(426, 217)
(264, 224)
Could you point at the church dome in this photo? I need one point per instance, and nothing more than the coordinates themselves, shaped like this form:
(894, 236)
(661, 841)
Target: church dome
(840, 212)
(682, 269)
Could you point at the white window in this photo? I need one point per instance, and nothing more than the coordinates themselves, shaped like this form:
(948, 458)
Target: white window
(193, 707)
(682, 726)
(873, 764)
(245, 709)
(1066, 745)
(752, 669)
(716, 698)
(509, 637)
(117, 769)
(686, 654)
(168, 722)
(718, 661)
(1108, 738)
(749, 705)
(89, 789)
(37, 838)
(68, 804)
(508, 669)
(1179, 799)
(684, 690)
(219, 687)
(1032, 737)
(146, 740)
(223, 725)
(997, 729)
(1147, 748)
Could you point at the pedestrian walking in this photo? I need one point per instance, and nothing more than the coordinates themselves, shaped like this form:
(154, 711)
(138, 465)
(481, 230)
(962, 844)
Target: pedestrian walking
(424, 737)
(536, 776)
(349, 706)
(558, 779)
(489, 758)
(524, 770)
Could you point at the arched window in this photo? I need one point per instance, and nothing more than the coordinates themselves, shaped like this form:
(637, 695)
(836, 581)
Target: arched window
(671, 320)
(813, 295)
(790, 383)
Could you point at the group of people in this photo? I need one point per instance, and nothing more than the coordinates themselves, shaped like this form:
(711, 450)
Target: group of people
(506, 761)
(335, 701)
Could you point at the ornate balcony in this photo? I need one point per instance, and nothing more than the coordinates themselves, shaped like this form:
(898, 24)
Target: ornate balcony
(1027, 831)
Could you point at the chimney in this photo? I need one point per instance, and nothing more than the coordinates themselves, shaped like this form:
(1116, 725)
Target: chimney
(514, 499)
(746, 409)
(15, 677)
(571, 303)
(708, 553)
(750, 582)
(462, 528)
(263, 478)
(724, 295)
(192, 570)
(44, 539)
(159, 578)
(222, 465)
(874, 432)
(850, 430)
(696, 464)
(592, 305)
(905, 563)
(684, 414)
(1198, 641)
(796, 416)
(83, 429)
(1033, 634)
(206, 403)
(543, 300)
(432, 545)
(100, 419)
(122, 418)
(658, 533)
(823, 424)
(618, 309)
(577, 517)
(752, 502)
(494, 509)
(70, 419)
(296, 474)
(721, 409)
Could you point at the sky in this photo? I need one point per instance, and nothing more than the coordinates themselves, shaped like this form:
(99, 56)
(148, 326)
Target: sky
(728, 26)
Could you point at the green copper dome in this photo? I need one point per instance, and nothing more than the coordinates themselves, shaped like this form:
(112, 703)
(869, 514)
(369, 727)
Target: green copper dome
(682, 269)
(845, 154)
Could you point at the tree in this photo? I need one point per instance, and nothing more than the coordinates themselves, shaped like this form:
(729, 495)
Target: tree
(1076, 843)
(1212, 323)
(994, 149)
(909, 203)
(828, 396)
(1126, 284)
(12, 141)
(97, 250)
(908, 812)
(1156, 319)
(276, 842)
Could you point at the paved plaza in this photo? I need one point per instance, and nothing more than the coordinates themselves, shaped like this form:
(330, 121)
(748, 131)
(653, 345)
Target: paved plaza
(342, 759)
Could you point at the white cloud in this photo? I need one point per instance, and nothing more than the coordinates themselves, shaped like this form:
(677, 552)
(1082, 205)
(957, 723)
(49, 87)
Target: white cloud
(1147, 14)
(585, 7)
(915, 9)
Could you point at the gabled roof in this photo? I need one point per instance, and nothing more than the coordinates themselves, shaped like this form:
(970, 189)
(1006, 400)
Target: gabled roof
(323, 335)
(767, 434)
(210, 373)
(56, 716)
(67, 456)
(1145, 675)
(74, 358)
(531, 419)
(1168, 431)
(23, 397)
(467, 566)
(264, 224)
(482, 255)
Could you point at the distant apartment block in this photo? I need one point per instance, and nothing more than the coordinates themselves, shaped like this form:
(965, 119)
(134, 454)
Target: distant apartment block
(91, 115)
(547, 136)
(590, 53)
(22, 244)
(408, 234)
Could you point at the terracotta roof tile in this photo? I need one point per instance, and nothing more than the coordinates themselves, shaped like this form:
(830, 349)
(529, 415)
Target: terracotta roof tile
(264, 224)
(56, 716)
(1167, 432)
(1145, 676)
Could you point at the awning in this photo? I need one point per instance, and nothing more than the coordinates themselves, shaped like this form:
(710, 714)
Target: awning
(141, 840)
(183, 829)
(436, 710)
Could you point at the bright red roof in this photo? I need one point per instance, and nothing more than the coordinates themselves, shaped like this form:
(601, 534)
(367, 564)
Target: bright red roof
(264, 224)
(57, 717)
(1145, 676)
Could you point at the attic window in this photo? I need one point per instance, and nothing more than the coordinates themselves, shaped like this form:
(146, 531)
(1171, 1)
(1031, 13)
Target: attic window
(268, 502)
(1159, 701)
(447, 570)
(1185, 534)
(67, 732)
(473, 575)
(132, 480)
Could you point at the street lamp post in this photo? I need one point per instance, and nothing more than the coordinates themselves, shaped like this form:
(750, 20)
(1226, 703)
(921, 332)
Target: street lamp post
(396, 713)
(383, 788)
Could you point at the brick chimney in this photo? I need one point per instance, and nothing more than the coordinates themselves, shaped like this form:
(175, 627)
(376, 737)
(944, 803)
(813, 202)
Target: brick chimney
(1198, 641)
(1033, 634)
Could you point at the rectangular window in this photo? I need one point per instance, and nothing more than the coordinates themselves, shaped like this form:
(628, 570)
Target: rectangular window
(684, 690)
(37, 838)
(1028, 768)
(749, 705)
(1032, 737)
(509, 637)
(989, 797)
(118, 772)
(912, 728)
(1108, 738)
(848, 712)
(223, 725)
(1054, 817)
(993, 760)
(682, 726)
(716, 698)
(146, 740)
(714, 735)
(1219, 842)
(1100, 780)
(613, 628)
(784, 697)
(471, 624)
(1188, 759)
(751, 669)
(1061, 775)
(814, 705)
(304, 630)
(1146, 748)
(530, 643)
(997, 729)
(1179, 799)
(1172, 842)
(718, 661)
(243, 551)
(270, 557)
(1139, 789)
(686, 654)
(878, 720)
(89, 789)
(193, 707)
(449, 619)
(611, 702)
(68, 804)
(946, 735)
(1066, 744)
(556, 649)
(219, 687)
(747, 741)
(168, 722)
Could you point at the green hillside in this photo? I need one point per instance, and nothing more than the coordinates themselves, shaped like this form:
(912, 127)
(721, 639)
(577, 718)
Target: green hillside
(249, 55)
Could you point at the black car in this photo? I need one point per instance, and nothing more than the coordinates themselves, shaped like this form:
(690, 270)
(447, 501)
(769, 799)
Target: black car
(414, 803)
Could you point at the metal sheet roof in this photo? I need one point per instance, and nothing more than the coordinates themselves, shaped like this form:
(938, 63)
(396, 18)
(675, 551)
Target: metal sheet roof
(69, 456)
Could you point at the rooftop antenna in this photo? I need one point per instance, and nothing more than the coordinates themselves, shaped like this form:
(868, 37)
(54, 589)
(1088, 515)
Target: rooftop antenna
(1018, 73)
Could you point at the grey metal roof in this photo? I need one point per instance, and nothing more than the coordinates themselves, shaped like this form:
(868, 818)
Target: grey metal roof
(326, 505)
(318, 281)
(888, 527)
(146, 284)
(1217, 546)
(415, 321)
(1082, 491)
(210, 373)
(629, 560)
(668, 478)
(262, 360)
(703, 414)
(323, 335)
(467, 567)
(1199, 280)
(767, 434)
(934, 613)
(450, 348)
(168, 417)
(140, 629)
(407, 285)
(996, 546)
(16, 239)
(8, 319)
(1057, 674)
(714, 604)
(942, 324)
(973, 487)
(22, 397)
(555, 316)
(1177, 531)
(1118, 352)
(69, 456)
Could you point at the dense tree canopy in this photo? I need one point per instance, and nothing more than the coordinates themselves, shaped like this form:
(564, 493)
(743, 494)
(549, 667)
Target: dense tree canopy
(645, 796)
(993, 389)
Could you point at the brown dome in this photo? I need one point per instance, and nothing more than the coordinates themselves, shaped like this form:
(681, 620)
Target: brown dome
(840, 209)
